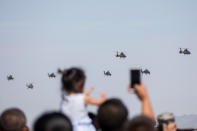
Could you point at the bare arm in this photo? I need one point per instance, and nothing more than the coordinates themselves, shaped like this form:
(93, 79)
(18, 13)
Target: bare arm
(146, 104)
(147, 108)
(140, 91)
(94, 101)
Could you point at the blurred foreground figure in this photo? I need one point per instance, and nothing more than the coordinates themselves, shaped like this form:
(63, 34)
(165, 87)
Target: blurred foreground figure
(166, 122)
(140, 123)
(13, 120)
(53, 122)
(113, 114)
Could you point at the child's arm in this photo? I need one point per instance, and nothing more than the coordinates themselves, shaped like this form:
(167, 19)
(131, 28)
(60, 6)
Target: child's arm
(94, 101)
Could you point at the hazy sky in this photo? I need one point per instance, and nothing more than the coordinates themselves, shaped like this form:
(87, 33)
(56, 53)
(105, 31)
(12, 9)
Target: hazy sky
(37, 37)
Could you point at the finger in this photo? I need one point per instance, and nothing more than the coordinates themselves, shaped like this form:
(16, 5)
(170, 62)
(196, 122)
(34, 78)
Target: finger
(89, 90)
(61, 71)
(102, 93)
(137, 87)
(129, 88)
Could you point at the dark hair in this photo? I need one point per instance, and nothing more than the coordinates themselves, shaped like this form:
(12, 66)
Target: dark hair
(53, 122)
(140, 123)
(12, 119)
(112, 115)
(73, 80)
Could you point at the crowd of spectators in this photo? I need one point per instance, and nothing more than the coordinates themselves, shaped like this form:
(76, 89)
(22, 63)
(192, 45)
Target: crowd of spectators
(112, 114)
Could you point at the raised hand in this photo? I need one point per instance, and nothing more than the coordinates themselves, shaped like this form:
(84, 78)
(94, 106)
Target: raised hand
(89, 91)
(103, 95)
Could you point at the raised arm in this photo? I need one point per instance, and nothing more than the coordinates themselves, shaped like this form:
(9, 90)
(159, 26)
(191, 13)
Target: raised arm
(144, 98)
(94, 101)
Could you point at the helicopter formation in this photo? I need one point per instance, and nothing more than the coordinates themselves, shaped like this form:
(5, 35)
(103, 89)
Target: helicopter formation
(184, 51)
(30, 85)
(122, 55)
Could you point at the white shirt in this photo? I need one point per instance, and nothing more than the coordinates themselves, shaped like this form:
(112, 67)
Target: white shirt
(74, 107)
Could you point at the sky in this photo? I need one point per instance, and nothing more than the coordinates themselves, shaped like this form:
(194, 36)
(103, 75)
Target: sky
(38, 37)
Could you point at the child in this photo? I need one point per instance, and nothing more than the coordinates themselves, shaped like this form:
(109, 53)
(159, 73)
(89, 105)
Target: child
(75, 101)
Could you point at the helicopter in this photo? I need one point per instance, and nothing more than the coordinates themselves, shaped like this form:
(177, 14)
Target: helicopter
(30, 86)
(185, 51)
(10, 77)
(146, 72)
(121, 55)
(52, 75)
(107, 73)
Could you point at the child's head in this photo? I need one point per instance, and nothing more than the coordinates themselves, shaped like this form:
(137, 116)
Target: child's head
(73, 80)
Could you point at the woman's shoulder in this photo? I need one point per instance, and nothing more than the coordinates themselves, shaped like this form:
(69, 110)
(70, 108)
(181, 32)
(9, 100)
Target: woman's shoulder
(76, 96)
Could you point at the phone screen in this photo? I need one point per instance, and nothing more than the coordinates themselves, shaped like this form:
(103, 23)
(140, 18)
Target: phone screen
(135, 77)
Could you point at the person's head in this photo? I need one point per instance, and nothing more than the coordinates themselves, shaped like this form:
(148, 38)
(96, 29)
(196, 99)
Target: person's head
(112, 115)
(13, 119)
(166, 122)
(53, 122)
(73, 80)
(140, 123)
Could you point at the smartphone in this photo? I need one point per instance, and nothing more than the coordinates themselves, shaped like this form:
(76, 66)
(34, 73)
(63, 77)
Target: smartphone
(135, 77)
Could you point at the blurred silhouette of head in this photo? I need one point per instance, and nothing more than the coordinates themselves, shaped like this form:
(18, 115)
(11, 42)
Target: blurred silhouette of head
(112, 115)
(13, 119)
(73, 80)
(53, 122)
(166, 121)
(140, 123)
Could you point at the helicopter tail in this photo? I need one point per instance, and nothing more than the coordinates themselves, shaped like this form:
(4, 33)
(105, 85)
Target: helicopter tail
(180, 51)
(117, 54)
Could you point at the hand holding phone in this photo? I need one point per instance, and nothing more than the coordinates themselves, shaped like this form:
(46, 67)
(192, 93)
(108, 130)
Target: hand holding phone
(135, 77)
(141, 92)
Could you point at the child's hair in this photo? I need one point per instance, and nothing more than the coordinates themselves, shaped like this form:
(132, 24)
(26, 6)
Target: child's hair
(73, 80)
